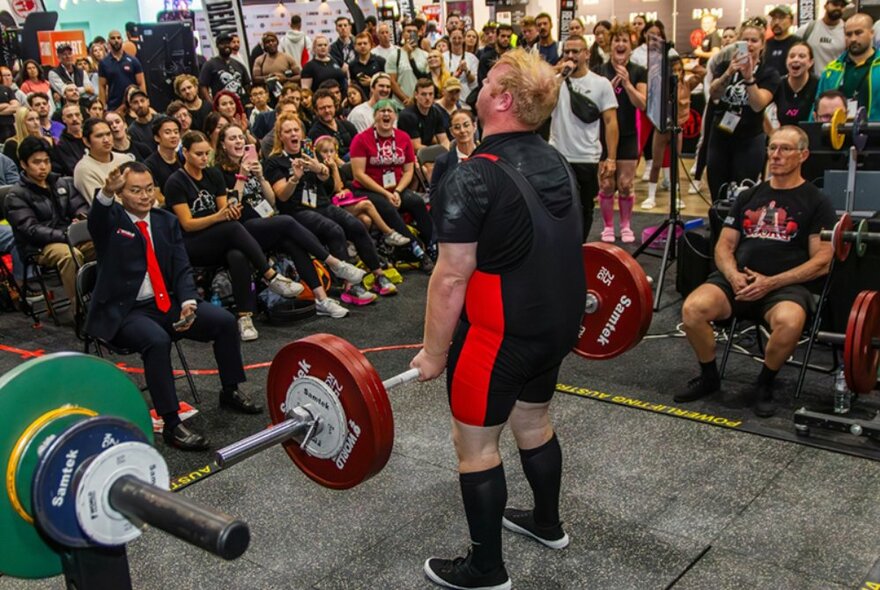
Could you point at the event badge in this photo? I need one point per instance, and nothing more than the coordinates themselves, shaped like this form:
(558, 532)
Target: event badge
(389, 179)
(263, 208)
(309, 197)
(772, 115)
(729, 122)
(852, 108)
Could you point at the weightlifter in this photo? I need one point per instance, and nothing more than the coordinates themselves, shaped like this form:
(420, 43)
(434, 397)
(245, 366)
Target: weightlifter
(511, 212)
(145, 298)
(767, 254)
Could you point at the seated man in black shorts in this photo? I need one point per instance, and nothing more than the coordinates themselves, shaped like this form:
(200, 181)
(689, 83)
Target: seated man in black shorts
(768, 251)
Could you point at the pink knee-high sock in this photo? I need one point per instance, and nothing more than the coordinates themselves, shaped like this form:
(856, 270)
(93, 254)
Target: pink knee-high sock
(606, 206)
(625, 204)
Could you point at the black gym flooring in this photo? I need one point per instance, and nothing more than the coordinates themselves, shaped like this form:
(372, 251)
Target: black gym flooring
(650, 500)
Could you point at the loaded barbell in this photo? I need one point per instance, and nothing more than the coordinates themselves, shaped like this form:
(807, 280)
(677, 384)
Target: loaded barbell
(861, 342)
(843, 237)
(859, 129)
(81, 472)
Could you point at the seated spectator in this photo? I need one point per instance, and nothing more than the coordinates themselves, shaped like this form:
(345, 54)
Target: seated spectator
(122, 141)
(212, 233)
(186, 87)
(423, 121)
(177, 110)
(264, 123)
(90, 173)
(213, 124)
(96, 109)
(335, 90)
(767, 254)
(826, 103)
(382, 160)
(228, 104)
(283, 233)
(40, 208)
(353, 97)
(327, 123)
(165, 161)
(27, 124)
(299, 180)
(71, 95)
(9, 173)
(260, 102)
(70, 148)
(463, 130)
(31, 79)
(41, 103)
(144, 285)
(450, 101)
(306, 114)
(361, 116)
(284, 106)
(141, 129)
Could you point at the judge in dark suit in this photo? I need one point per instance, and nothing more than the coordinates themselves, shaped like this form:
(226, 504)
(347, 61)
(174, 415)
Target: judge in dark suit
(145, 286)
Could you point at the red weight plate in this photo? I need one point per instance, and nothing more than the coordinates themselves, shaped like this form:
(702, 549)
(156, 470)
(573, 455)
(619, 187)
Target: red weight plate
(316, 357)
(841, 249)
(624, 302)
(864, 359)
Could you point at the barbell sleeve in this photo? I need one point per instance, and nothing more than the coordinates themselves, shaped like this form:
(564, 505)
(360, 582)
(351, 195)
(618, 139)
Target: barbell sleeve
(826, 235)
(401, 379)
(840, 339)
(215, 532)
(260, 441)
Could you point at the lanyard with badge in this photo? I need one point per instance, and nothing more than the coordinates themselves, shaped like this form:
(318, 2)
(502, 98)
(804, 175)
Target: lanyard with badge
(852, 104)
(309, 194)
(731, 118)
(253, 195)
(389, 178)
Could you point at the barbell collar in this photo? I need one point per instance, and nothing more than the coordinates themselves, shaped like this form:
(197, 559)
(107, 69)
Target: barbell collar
(296, 426)
(213, 531)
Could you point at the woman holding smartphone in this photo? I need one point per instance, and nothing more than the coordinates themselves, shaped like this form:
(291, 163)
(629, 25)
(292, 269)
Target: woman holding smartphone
(243, 175)
(213, 234)
(742, 89)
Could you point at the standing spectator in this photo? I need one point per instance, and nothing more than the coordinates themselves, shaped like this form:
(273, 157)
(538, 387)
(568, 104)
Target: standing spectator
(295, 43)
(342, 50)
(70, 148)
(472, 42)
(422, 121)
(711, 43)
(9, 104)
(321, 67)
(777, 46)
(132, 44)
(31, 78)
(186, 87)
(260, 102)
(366, 63)
(371, 25)
(122, 141)
(491, 53)
(52, 130)
(450, 101)
(825, 36)
(177, 110)
(235, 45)
(99, 161)
(68, 73)
(438, 72)
(461, 63)
(326, 123)
(793, 101)
(547, 45)
(601, 49)
(528, 40)
(743, 89)
(275, 64)
(856, 73)
(223, 73)
(97, 51)
(117, 72)
(576, 27)
(362, 115)
(141, 129)
(454, 23)
(397, 64)
(165, 161)
(577, 140)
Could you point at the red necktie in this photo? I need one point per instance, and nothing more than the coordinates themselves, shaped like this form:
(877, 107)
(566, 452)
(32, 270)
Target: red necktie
(163, 302)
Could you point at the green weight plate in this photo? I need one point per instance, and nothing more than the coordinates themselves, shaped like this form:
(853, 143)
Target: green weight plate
(27, 393)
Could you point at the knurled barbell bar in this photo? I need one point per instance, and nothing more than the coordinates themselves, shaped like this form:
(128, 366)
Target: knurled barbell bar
(861, 342)
(843, 237)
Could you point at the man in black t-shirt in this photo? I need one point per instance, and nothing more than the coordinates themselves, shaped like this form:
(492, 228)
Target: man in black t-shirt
(767, 254)
(141, 129)
(326, 122)
(224, 73)
(165, 161)
(422, 120)
(777, 46)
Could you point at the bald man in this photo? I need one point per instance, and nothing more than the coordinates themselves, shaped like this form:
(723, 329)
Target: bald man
(856, 73)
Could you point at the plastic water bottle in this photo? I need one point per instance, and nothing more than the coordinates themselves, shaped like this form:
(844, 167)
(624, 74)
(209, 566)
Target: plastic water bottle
(417, 250)
(842, 394)
(215, 299)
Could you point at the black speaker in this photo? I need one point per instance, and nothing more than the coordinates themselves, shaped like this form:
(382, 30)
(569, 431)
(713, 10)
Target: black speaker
(167, 50)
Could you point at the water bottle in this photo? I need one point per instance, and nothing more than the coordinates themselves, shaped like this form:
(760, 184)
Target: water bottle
(215, 299)
(417, 250)
(842, 394)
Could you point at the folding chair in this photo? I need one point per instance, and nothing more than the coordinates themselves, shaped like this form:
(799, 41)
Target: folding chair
(427, 155)
(85, 283)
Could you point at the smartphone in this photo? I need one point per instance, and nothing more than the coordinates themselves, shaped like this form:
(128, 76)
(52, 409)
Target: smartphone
(414, 39)
(232, 198)
(250, 153)
(308, 149)
(184, 322)
(742, 48)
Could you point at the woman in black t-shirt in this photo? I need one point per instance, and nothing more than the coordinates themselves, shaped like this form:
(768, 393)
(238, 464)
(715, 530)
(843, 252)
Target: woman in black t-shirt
(794, 100)
(212, 232)
(243, 174)
(630, 83)
(742, 89)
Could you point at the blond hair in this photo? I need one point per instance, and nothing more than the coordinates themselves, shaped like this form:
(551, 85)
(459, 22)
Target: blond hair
(277, 144)
(531, 82)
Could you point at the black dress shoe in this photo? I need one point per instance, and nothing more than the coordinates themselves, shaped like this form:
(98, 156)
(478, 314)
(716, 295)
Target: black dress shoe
(184, 439)
(240, 402)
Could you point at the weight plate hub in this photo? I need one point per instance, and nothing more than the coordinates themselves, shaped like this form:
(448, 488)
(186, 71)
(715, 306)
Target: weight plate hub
(861, 358)
(53, 496)
(324, 405)
(840, 247)
(97, 518)
(319, 357)
(29, 392)
(623, 302)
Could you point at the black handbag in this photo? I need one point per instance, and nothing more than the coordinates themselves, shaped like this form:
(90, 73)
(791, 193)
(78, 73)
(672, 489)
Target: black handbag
(582, 106)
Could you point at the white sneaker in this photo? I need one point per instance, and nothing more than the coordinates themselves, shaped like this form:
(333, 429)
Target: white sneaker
(648, 203)
(349, 272)
(693, 169)
(664, 184)
(646, 176)
(329, 307)
(696, 185)
(281, 285)
(396, 239)
(246, 329)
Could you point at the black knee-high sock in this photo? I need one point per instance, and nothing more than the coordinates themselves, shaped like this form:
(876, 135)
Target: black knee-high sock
(485, 496)
(543, 469)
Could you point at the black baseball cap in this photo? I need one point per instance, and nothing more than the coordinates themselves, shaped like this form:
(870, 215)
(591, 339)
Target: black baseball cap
(63, 47)
(225, 37)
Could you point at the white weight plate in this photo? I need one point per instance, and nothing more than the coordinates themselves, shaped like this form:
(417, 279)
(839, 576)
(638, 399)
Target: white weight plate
(324, 404)
(99, 521)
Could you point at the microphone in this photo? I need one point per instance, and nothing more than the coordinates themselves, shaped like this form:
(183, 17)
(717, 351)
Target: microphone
(566, 71)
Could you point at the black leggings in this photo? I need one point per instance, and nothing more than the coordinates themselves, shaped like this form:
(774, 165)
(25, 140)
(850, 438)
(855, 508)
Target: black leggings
(410, 202)
(335, 226)
(229, 243)
(284, 234)
(733, 159)
(588, 180)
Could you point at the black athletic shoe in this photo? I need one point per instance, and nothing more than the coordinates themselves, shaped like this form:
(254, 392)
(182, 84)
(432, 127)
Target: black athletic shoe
(458, 573)
(698, 388)
(523, 523)
(765, 407)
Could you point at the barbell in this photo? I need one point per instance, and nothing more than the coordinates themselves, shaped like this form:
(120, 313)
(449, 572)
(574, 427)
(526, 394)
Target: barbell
(861, 342)
(80, 470)
(843, 237)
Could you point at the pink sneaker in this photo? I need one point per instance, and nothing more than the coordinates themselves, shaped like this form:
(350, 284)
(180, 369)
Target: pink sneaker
(357, 295)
